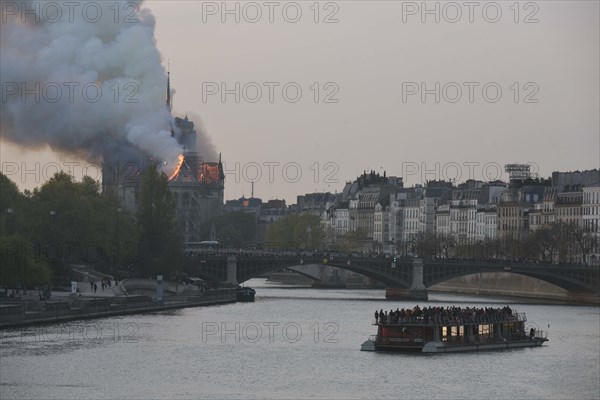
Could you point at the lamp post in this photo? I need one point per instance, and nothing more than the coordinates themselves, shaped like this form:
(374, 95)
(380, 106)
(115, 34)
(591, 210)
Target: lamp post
(52, 217)
(52, 232)
(9, 213)
(117, 244)
(9, 221)
(52, 229)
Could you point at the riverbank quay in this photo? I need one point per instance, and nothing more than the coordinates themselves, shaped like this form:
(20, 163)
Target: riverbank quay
(18, 313)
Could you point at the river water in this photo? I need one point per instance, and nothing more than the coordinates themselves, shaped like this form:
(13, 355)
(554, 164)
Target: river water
(293, 343)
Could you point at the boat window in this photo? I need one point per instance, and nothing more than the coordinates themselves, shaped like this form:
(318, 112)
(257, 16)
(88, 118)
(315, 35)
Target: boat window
(454, 331)
(486, 329)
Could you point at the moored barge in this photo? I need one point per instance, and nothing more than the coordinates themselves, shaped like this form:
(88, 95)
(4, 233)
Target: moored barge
(245, 294)
(452, 329)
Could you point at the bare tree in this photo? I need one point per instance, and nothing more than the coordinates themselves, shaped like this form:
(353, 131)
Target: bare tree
(445, 245)
(580, 242)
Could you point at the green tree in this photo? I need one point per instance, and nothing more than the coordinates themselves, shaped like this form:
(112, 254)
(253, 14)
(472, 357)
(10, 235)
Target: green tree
(160, 249)
(19, 266)
(78, 221)
(10, 201)
(69, 222)
(353, 240)
(303, 231)
(235, 228)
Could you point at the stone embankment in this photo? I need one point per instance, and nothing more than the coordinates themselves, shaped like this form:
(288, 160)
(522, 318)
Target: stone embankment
(27, 310)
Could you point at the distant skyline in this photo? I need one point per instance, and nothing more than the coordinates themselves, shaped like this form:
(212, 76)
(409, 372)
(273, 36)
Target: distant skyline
(371, 68)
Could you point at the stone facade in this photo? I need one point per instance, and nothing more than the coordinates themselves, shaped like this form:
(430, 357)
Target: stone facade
(197, 187)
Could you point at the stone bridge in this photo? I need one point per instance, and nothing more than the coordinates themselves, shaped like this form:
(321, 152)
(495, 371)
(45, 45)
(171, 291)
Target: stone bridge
(406, 277)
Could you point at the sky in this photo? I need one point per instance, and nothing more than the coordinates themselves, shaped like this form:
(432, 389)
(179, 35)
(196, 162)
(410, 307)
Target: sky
(300, 97)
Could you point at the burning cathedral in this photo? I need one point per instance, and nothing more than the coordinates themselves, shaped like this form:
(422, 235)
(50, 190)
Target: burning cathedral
(127, 132)
(197, 185)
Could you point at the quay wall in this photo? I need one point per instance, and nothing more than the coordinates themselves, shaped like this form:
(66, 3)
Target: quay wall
(14, 315)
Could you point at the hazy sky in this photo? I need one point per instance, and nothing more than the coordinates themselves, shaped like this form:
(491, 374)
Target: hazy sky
(370, 68)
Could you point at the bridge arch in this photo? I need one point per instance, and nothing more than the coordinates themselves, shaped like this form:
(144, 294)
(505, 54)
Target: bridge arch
(377, 269)
(310, 275)
(567, 278)
(402, 273)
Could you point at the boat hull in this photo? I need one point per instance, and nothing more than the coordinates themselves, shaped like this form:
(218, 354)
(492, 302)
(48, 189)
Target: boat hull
(368, 345)
(439, 347)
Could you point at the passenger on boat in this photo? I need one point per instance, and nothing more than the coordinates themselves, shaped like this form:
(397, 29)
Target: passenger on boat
(446, 315)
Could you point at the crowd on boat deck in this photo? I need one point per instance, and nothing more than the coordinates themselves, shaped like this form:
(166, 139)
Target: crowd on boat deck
(444, 314)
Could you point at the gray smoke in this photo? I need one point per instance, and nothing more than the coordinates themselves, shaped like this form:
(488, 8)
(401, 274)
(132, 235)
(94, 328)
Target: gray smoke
(85, 87)
(204, 146)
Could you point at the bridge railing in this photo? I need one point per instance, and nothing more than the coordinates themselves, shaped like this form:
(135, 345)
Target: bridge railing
(508, 263)
(319, 254)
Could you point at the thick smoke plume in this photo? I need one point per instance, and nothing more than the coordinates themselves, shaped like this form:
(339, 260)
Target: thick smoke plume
(55, 61)
(204, 145)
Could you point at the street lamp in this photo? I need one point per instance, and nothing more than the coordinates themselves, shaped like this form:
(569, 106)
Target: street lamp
(52, 217)
(9, 221)
(117, 245)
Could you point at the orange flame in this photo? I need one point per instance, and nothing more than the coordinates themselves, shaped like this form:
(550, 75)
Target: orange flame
(180, 163)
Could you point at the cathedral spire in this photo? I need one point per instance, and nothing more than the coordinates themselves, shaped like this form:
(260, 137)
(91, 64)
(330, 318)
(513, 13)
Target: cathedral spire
(169, 100)
(168, 86)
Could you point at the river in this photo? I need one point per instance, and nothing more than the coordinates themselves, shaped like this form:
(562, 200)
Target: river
(293, 343)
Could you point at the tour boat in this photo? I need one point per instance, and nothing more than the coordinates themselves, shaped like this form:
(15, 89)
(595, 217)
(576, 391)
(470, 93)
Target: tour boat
(453, 329)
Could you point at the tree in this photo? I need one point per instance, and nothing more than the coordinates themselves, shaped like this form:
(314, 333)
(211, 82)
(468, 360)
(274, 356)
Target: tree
(19, 266)
(545, 242)
(160, 249)
(68, 222)
(235, 228)
(10, 200)
(445, 244)
(79, 221)
(580, 242)
(352, 240)
(303, 231)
